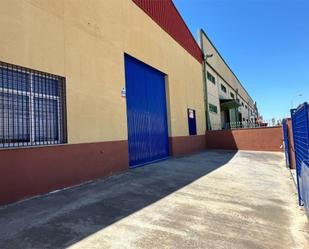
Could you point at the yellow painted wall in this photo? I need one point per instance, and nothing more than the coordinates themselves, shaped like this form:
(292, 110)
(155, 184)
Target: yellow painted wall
(85, 42)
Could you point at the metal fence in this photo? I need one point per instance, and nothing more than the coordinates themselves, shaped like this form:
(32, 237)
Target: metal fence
(300, 123)
(304, 185)
(245, 125)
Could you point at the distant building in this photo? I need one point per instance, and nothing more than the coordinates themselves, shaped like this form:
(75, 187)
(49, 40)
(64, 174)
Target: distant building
(228, 104)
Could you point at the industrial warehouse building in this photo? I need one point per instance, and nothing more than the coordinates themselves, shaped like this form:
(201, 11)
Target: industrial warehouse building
(88, 89)
(229, 104)
(91, 88)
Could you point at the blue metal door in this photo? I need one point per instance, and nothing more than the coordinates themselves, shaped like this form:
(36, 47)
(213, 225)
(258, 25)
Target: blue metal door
(192, 122)
(146, 113)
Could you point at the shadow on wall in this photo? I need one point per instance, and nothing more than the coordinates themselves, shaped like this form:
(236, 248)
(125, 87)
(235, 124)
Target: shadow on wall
(256, 139)
(221, 139)
(291, 145)
(66, 217)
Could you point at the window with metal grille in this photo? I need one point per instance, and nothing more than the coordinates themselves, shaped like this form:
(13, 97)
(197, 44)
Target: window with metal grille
(32, 107)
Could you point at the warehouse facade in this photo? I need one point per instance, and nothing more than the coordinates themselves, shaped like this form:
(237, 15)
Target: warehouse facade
(90, 88)
(229, 104)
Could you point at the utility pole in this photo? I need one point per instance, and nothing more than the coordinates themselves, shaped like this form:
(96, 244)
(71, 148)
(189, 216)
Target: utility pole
(204, 63)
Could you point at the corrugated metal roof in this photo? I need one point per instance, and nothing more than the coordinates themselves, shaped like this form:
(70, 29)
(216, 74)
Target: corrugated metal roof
(165, 14)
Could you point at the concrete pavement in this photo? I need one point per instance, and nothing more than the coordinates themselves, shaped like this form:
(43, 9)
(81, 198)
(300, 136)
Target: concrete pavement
(214, 199)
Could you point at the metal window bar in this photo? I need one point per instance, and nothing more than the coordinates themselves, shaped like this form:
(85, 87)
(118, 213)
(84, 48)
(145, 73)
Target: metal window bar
(32, 107)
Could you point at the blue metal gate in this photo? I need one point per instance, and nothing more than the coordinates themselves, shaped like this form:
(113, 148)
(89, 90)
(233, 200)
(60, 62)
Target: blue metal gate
(146, 113)
(286, 142)
(300, 123)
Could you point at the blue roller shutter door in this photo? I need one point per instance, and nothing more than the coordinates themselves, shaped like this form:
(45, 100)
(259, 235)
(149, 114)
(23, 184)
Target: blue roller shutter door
(146, 113)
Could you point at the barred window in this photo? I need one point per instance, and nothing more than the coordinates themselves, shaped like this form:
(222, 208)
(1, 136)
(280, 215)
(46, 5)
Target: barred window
(32, 107)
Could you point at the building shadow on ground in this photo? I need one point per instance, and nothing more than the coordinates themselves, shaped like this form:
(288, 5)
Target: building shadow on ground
(62, 219)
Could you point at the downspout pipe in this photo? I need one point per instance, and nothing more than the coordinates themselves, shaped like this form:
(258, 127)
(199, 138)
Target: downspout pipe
(204, 63)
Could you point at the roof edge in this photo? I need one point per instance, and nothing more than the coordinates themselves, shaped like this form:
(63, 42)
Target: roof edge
(182, 35)
(204, 33)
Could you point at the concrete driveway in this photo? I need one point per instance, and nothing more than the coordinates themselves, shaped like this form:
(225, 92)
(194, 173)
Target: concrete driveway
(215, 199)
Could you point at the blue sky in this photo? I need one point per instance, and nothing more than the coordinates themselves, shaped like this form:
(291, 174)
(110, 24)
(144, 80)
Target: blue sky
(265, 42)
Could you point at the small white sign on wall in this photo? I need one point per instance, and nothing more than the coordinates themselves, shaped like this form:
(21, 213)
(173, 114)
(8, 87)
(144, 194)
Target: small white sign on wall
(191, 113)
(123, 92)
